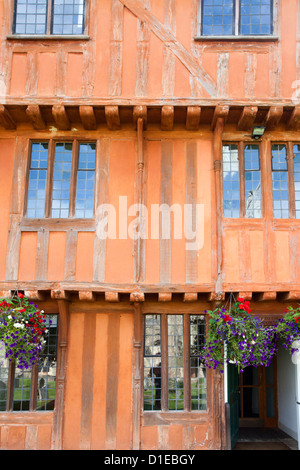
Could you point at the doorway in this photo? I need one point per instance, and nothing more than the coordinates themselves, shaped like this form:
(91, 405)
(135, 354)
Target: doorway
(258, 397)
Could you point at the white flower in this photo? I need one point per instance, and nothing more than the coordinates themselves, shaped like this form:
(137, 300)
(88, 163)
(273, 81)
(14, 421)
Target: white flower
(9, 317)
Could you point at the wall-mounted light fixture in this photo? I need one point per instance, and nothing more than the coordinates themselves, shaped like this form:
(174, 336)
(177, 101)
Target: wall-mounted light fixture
(258, 132)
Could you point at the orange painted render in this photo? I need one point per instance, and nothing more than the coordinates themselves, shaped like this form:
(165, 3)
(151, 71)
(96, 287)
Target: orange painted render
(125, 64)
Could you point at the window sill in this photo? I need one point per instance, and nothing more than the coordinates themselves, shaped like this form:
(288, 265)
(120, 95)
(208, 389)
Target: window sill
(266, 38)
(48, 37)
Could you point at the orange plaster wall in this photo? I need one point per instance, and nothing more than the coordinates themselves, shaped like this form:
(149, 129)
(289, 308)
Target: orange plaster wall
(56, 256)
(204, 188)
(74, 382)
(28, 256)
(84, 256)
(153, 197)
(46, 73)
(119, 257)
(7, 149)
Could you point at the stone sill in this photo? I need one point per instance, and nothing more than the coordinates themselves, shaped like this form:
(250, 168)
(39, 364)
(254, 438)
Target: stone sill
(48, 37)
(266, 38)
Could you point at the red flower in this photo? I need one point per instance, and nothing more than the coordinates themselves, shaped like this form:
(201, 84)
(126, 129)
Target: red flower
(23, 310)
(240, 299)
(21, 296)
(227, 318)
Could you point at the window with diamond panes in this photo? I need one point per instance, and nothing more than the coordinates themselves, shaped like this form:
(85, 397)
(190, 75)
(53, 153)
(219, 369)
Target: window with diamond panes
(57, 17)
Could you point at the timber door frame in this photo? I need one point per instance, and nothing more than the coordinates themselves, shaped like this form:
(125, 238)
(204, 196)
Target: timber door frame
(263, 420)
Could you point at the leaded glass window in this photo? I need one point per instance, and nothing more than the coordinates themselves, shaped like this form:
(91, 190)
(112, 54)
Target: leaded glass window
(252, 182)
(174, 378)
(57, 17)
(280, 182)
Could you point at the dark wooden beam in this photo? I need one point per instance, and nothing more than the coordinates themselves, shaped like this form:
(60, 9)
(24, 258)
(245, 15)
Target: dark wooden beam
(140, 112)
(220, 112)
(87, 117)
(294, 121)
(112, 117)
(193, 118)
(61, 117)
(167, 118)
(6, 120)
(33, 111)
(247, 118)
(273, 117)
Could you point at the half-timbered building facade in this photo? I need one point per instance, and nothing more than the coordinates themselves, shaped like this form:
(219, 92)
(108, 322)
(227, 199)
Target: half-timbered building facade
(135, 196)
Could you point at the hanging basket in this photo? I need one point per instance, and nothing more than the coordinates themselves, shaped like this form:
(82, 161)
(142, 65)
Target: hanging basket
(236, 336)
(22, 330)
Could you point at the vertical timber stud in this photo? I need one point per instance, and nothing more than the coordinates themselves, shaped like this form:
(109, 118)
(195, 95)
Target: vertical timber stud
(139, 241)
(218, 402)
(217, 155)
(137, 376)
(63, 327)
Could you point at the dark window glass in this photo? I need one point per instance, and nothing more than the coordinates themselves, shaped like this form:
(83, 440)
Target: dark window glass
(217, 17)
(175, 363)
(68, 17)
(86, 180)
(231, 184)
(178, 378)
(37, 180)
(197, 371)
(252, 182)
(255, 17)
(23, 378)
(280, 182)
(152, 363)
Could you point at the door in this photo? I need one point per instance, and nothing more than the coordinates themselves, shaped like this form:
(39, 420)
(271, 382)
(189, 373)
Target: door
(258, 395)
(233, 400)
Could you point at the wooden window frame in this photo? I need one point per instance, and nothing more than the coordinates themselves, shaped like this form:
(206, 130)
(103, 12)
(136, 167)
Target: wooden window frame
(49, 22)
(237, 35)
(164, 364)
(33, 385)
(290, 171)
(49, 181)
(241, 158)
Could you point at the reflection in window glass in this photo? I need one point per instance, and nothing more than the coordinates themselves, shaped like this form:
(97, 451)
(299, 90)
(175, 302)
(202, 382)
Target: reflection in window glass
(47, 368)
(30, 16)
(252, 182)
(297, 179)
(198, 372)
(255, 17)
(61, 180)
(37, 180)
(231, 185)
(280, 182)
(86, 180)
(217, 17)
(68, 17)
(152, 363)
(175, 362)
(4, 365)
